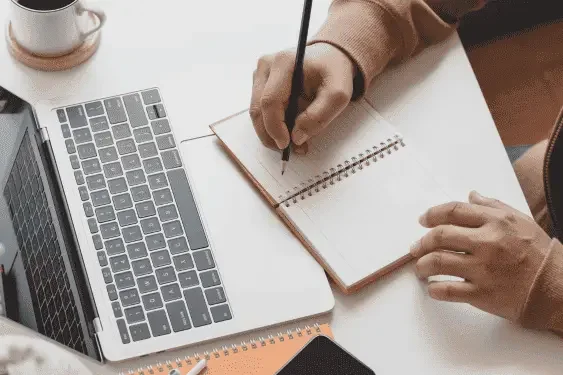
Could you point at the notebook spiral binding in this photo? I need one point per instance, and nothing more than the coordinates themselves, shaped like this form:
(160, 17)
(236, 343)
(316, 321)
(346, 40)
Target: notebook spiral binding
(333, 175)
(168, 368)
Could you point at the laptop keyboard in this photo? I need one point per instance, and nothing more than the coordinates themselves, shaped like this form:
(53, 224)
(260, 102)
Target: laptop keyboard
(153, 252)
(54, 305)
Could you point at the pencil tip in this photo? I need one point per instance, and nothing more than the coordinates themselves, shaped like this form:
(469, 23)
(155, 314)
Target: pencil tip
(283, 167)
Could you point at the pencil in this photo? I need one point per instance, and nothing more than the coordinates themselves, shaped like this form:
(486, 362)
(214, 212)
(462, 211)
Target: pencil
(297, 79)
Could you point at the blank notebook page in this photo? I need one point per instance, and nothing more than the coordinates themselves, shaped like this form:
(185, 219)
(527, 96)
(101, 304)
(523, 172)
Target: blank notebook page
(354, 132)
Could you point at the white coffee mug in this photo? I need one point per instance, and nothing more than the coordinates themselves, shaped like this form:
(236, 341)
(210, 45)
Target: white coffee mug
(54, 32)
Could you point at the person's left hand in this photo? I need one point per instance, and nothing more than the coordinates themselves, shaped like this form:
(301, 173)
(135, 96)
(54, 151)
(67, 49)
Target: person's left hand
(496, 249)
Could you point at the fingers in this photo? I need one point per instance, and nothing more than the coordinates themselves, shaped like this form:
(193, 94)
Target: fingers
(478, 199)
(275, 97)
(259, 81)
(444, 263)
(454, 213)
(452, 291)
(331, 99)
(302, 149)
(445, 237)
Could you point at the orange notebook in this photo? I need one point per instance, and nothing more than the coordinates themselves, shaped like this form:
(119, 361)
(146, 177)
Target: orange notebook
(264, 356)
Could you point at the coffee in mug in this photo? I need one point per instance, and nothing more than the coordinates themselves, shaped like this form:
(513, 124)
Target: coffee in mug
(53, 27)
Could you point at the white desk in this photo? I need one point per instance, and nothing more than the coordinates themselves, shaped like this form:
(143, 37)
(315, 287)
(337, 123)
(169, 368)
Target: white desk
(392, 325)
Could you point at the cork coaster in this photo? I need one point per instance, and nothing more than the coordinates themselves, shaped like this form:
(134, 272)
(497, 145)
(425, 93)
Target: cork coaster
(51, 64)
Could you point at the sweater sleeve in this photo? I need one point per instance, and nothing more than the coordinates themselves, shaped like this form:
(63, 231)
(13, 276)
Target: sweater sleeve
(376, 33)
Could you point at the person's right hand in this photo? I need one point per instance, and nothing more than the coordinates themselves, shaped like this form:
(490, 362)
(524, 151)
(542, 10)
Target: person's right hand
(328, 76)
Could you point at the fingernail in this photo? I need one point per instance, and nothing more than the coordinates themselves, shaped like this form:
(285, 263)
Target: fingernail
(299, 137)
(422, 219)
(476, 195)
(414, 248)
(281, 145)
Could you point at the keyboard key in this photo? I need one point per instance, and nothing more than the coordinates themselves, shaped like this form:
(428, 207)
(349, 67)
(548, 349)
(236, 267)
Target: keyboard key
(188, 279)
(141, 267)
(132, 234)
(142, 135)
(171, 292)
(183, 262)
(108, 154)
(163, 196)
(134, 314)
(155, 241)
(137, 250)
(103, 139)
(147, 150)
(126, 218)
(160, 258)
(160, 126)
(136, 177)
(100, 198)
(94, 109)
(79, 177)
(178, 245)
(152, 166)
(70, 148)
(165, 142)
(74, 163)
(171, 159)
(124, 280)
(98, 244)
(135, 110)
(99, 124)
(172, 229)
(82, 135)
(76, 116)
(96, 182)
(152, 301)
(106, 273)
(147, 284)
(123, 333)
(119, 185)
(145, 209)
(112, 292)
(119, 263)
(167, 213)
(140, 332)
(121, 131)
(209, 278)
(126, 146)
(157, 181)
(102, 259)
(221, 313)
(109, 230)
(122, 201)
(129, 297)
(140, 193)
(203, 260)
(115, 111)
(165, 275)
(187, 209)
(61, 115)
(159, 323)
(160, 112)
(114, 247)
(93, 226)
(131, 162)
(105, 214)
(151, 112)
(197, 307)
(150, 225)
(66, 131)
(87, 151)
(113, 170)
(91, 166)
(151, 96)
(215, 296)
(116, 307)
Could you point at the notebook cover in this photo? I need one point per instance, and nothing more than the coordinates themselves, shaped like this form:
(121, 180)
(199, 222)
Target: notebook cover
(264, 356)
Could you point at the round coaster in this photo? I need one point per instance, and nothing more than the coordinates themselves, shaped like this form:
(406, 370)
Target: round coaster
(51, 64)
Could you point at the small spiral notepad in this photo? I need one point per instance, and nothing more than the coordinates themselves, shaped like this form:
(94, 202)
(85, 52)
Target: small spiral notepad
(353, 200)
(263, 356)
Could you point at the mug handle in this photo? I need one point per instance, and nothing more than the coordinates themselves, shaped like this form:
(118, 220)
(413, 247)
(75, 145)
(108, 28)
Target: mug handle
(101, 18)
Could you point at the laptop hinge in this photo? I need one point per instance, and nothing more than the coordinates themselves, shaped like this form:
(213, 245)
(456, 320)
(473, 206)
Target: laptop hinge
(44, 135)
(97, 325)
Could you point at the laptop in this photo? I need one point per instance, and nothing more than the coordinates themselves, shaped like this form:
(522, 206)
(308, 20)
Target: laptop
(115, 250)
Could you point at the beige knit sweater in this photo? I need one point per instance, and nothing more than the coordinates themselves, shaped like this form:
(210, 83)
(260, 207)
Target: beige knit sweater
(377, 33)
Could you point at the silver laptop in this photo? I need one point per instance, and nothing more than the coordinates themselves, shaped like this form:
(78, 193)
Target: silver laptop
(117, 251)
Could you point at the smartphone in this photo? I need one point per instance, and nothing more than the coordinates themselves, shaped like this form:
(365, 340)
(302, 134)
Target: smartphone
(322, 356)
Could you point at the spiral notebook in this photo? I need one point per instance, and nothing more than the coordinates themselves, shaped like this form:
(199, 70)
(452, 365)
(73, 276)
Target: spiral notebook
(353, 200)
(263, 356)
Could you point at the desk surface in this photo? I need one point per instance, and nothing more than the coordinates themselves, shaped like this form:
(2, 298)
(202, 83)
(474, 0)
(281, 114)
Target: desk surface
(434, 99)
